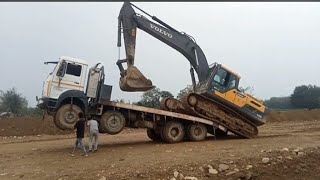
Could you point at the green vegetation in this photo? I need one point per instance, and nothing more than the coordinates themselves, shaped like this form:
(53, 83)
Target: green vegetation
(302, 97)
(306, 97)
(152, 97)
(13, 102)
(185, 91)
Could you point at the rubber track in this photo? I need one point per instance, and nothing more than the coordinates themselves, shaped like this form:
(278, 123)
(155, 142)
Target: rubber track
(223, 115)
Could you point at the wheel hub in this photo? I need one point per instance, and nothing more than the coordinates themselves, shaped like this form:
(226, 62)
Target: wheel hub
(70, 116)
(113, 122)
(174, 132)
(197, 131)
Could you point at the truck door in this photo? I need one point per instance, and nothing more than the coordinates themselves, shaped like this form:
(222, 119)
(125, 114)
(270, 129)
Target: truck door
(69, 75)
(72, 77)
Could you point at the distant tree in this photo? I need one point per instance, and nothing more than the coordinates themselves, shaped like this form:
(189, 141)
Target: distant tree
(164, 94)
(185, 91)
(12, 101)
(152, 98)
(278, 103)
(306, 97)
(33, 111)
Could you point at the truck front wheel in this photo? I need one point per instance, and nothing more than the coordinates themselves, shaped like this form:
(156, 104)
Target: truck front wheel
(67, 116)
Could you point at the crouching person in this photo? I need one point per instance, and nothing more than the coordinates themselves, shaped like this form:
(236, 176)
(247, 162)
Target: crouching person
(80, 127)
(93, 134)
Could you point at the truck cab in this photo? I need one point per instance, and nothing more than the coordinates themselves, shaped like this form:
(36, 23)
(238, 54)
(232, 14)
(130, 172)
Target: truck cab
(68, 74)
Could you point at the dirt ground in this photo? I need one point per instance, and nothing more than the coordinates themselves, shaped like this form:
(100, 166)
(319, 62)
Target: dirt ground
(287, 148)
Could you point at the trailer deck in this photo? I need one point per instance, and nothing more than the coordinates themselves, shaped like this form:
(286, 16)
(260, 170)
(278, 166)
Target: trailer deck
(159, 114)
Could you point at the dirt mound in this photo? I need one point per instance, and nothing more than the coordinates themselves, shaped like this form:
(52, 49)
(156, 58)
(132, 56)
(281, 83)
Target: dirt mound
(24, 126)
(294, 115)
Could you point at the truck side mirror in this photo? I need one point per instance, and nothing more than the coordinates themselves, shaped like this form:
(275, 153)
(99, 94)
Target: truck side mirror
(61, 71)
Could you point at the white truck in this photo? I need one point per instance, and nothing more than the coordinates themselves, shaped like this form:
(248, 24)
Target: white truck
(72, 88)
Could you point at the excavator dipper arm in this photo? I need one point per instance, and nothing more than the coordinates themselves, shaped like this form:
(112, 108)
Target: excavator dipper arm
(131, 78)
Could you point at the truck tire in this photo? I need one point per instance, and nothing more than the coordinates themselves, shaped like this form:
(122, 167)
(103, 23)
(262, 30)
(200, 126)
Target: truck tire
(57, 124)
(173, 132)
(153, 135)
(112, 122)
(67, 116)
(196, 132)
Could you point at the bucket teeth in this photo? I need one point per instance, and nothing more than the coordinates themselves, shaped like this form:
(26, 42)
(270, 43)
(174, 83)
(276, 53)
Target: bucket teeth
(134, 80)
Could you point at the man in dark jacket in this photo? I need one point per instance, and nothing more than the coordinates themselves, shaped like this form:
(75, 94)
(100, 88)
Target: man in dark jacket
(79, 126)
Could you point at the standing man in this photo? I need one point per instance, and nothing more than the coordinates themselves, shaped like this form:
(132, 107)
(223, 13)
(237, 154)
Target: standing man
(80, 126)
(93, 134)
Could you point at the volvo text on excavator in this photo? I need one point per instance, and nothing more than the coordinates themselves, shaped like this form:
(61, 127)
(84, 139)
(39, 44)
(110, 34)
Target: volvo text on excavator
(215, 96)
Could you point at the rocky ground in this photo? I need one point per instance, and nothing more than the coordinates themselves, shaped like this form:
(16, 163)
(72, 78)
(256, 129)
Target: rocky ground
(287, 148)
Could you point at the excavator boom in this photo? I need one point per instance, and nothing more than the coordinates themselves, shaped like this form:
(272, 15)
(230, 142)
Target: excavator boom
(128, 21)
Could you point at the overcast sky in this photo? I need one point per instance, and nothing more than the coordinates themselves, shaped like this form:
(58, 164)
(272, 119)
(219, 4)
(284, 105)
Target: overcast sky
(273, 46)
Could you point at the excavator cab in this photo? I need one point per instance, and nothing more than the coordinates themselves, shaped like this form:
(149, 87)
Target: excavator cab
(132, 80)
(223, 79)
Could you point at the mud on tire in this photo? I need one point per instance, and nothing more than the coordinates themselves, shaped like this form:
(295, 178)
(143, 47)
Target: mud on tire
(112, 122)
(196, 132)
(173, 132)
(67, 116)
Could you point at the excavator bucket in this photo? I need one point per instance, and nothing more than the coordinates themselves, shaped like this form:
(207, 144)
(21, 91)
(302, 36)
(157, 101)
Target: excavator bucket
(134, 80)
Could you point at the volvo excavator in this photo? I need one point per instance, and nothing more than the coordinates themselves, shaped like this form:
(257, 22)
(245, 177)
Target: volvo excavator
(215, 96)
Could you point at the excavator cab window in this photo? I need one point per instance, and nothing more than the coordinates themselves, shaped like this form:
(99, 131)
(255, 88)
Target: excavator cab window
(233, 82)
(224, 81)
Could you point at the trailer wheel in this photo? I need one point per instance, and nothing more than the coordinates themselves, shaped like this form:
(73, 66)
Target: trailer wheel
(173, 132)
(67, 116)
(153, 135)
(112, 122)
(196, 132)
